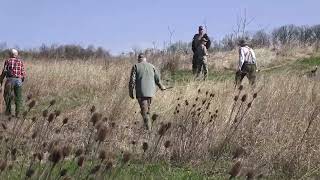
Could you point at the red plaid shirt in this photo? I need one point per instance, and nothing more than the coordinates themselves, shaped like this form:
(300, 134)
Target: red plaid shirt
(14, 68)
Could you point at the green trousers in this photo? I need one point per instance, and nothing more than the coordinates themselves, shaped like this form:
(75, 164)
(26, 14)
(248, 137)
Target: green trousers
(202, 66)
(145, 103)
(13, 91)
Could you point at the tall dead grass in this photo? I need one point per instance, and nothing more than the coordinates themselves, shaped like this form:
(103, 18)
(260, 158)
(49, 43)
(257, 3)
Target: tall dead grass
(271, 132)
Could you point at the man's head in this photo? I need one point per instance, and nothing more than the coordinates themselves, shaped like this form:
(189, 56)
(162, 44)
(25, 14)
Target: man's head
(14, 53)
(141, 57)
(242, 43)
(201, 30)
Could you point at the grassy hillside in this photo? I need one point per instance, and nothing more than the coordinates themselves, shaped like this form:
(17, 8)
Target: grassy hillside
(202, 129)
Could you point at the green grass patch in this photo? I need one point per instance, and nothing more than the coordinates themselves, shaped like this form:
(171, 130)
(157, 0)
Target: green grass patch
(134, 170)
(185, 76)
(312, 61)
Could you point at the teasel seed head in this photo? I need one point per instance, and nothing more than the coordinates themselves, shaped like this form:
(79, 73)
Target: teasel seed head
(244, 98)
(30, 173)
(32, 104)
(95, 169)
(167, 144)
(80, 161)
(235, 170)
(3, 165)
(57, 113)
(63, 172)
(95, 118)
(3, 126)
(52, 102)
(126, 157)
(34, 119)
(45, 113)
(250, 174)
(154, 117)
(240, 88)
(34, 135)
(65, 121)
(78, 152)
(29, 96)
(56, 155)
(163, 129)
(255, 95)
(66, 150)
(239, 152)
(145, 146)
(51, 117)
(24, 114)
(108, 166)
(93, 109)
(102, 155)
(102, 133)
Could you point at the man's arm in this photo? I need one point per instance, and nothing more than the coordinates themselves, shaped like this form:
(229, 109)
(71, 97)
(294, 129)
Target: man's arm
(132, 81)
(253, 56)
(205, 51)
(23, 72)
(194, 48)
(241, 58)
(157, 79)
(3, 74)
(208, 45)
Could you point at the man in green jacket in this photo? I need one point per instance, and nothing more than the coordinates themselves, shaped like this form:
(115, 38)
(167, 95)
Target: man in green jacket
(144, 79)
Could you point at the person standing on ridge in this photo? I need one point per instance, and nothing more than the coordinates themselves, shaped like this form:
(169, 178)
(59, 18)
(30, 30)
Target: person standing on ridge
(202, 59)
(196, 42)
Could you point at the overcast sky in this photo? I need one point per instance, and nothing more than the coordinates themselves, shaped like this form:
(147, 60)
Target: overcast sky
(120, 25)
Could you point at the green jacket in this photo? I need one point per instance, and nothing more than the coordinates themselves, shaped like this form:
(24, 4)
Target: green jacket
(144, 78)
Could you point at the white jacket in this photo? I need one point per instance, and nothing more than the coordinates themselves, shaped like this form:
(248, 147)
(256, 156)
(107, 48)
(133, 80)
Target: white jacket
(246, 54)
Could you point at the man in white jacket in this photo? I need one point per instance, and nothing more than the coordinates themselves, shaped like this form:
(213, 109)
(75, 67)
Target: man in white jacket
(247, 64)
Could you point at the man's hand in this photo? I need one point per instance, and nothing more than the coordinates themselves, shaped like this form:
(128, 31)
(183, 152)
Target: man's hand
(131, 96)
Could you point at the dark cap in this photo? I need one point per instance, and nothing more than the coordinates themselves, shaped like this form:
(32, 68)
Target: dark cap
(141, 55)
(201, 28)
(242, 42)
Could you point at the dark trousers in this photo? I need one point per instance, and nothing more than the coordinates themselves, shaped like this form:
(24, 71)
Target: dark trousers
(145, 103)
(13, 91)
(194, 63)
(248, 70)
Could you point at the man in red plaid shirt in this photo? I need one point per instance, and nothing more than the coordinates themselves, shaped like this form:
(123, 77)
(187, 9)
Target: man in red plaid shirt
(14, 73)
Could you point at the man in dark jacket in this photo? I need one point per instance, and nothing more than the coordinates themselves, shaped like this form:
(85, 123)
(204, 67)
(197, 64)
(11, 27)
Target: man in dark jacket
(196, 42)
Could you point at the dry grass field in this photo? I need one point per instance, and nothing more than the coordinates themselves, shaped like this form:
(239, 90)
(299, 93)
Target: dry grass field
(80, 123)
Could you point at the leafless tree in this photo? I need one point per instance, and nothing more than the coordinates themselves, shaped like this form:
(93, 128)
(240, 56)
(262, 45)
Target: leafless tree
(261, 39)
(240, 31)
(316, 32)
